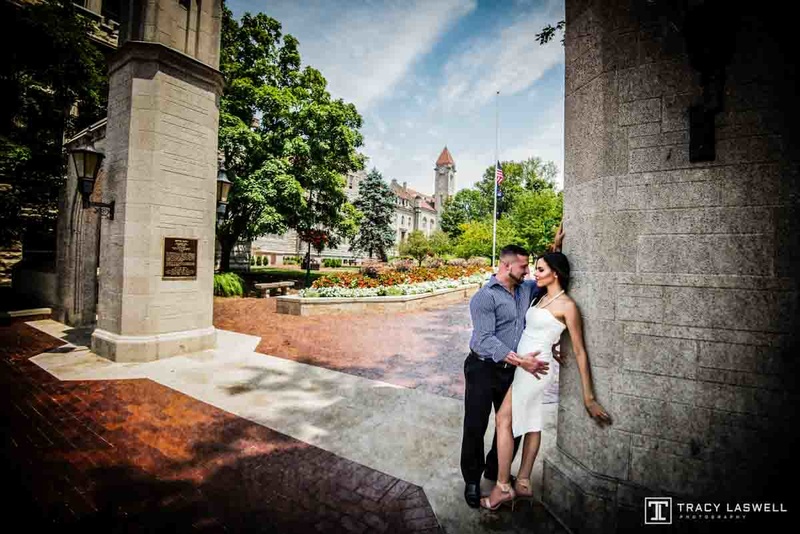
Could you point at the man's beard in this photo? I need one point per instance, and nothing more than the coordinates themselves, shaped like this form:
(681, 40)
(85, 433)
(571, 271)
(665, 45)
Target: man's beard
(515, 279)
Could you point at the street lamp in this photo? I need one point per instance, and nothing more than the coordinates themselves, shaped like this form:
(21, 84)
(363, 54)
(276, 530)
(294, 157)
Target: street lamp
(87, 163)
(223, 188)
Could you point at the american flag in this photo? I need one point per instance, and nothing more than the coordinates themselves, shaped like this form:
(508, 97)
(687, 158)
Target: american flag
(499, 174)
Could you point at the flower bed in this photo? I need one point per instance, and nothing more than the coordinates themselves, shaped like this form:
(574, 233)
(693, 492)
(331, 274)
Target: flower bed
(391, 282)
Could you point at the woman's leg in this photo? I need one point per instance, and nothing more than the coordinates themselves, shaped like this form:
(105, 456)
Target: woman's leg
(505, 440)
(502, 491)
(530, 449)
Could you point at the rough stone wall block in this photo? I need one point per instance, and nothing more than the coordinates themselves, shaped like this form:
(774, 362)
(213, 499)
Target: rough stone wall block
(686, 273)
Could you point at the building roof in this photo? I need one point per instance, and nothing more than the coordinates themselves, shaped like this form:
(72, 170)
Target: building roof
(445, 158)
(411, 195)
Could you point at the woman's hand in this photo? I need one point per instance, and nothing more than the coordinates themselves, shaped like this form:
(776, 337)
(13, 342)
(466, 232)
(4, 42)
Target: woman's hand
(559, 238)
(597, 412)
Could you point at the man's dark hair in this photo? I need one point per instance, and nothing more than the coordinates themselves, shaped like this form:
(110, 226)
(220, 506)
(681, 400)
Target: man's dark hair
(514, 249)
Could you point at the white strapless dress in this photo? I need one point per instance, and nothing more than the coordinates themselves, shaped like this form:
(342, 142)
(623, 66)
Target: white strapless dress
(542, 331)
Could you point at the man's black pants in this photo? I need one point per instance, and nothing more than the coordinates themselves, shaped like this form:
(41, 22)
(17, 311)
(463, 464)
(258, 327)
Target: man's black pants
(487, 384)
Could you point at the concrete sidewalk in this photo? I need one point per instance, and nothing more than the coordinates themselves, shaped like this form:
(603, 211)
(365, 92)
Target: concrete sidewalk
(406, 433)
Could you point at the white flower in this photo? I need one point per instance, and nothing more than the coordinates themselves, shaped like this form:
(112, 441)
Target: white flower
(406, 289)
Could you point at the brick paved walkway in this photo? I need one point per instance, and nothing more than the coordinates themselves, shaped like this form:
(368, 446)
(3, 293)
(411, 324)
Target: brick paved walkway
(423, 350)
(135, 456)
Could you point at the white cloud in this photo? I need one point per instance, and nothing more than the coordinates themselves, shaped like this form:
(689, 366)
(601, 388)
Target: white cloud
(509, 60)
(365, 49)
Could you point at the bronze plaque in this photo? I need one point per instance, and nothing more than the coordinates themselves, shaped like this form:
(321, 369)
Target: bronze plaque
(180, 258)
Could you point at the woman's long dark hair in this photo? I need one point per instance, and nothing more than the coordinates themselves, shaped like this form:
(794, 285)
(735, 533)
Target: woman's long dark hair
(558, 263)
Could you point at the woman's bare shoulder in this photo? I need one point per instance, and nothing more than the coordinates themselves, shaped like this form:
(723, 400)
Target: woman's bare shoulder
(569, 304)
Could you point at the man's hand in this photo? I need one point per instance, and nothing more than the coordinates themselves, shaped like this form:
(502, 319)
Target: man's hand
(557, 354)
(530, 363)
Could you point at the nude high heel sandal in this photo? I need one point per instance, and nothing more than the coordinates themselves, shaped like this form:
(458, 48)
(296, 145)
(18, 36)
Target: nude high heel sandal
(508, 497)
(524, 490)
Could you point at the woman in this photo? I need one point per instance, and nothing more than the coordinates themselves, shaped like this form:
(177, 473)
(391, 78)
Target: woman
(521, 411)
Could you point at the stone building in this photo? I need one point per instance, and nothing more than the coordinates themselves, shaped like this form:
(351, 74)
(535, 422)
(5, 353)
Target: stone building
(413, 211)
(681, 212)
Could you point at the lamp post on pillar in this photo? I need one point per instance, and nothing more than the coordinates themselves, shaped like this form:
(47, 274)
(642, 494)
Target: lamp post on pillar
(223, 188)
(87, 163)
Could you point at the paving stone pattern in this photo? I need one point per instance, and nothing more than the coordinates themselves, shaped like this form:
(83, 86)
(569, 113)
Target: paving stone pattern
(135, 456)
(423, 350)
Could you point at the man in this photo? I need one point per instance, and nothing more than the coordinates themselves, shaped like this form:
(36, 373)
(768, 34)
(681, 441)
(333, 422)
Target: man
(498, 319)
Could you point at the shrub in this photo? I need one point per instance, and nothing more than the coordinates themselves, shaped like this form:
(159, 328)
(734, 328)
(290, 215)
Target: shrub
(228, 285)
(371, 270)
(403, 265)
(432, 262)
(457, 262)
(252, 260)
(332, 262)
(478, 261)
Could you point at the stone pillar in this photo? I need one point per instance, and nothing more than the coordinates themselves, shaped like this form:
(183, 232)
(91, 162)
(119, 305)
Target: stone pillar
(77, 241)
(686, 272)
(161, 150)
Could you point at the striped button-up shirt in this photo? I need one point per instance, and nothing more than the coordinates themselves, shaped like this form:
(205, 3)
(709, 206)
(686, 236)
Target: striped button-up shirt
(498, 318)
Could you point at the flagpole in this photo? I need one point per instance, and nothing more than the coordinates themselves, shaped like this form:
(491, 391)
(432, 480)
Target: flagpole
(496, 160)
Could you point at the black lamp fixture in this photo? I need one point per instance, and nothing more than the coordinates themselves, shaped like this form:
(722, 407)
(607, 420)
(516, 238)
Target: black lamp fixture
(87, 163)
(223, 188)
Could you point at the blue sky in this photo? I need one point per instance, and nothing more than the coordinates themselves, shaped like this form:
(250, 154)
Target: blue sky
(424, 74)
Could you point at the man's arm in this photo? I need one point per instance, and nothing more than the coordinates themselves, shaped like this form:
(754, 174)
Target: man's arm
(481, 308)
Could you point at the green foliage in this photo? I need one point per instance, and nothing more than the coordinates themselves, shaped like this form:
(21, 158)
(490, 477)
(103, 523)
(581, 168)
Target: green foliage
(287, 143)
(536, 217)
(228, 285)
(549, 31)
(440, 243)
(417, 246)
(529, 211)
(376, 203)
(476, 238)
(393, 291)
(465, 206)
(50, 67)
(332, 262)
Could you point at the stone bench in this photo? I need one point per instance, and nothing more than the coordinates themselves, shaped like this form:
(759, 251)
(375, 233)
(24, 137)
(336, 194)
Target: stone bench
(267, 288)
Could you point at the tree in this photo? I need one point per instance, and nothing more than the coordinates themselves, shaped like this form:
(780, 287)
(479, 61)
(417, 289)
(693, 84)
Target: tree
(467, 205)
(376, 204)
(287, 144)
(511, 187)
(549, 31)
(417, 246)
(535, 218)
(476, 238)
(53, 83)
(537, 175)
(440, 243)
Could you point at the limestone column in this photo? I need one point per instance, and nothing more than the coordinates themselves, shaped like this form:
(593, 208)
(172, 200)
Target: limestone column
(686, 272)
(77, 245)
(161, 164)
